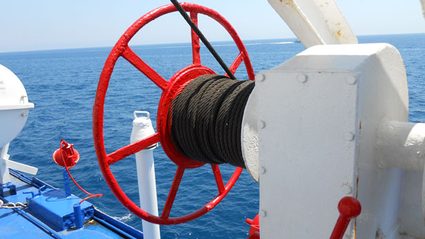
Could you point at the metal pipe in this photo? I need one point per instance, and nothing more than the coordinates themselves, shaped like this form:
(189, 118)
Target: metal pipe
(66, 185)
(142, 128)
(4, 151)
(401, 145)
(79, 217)
(4, 168)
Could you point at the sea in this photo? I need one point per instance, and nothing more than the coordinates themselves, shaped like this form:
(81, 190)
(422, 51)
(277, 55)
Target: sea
(62, 85)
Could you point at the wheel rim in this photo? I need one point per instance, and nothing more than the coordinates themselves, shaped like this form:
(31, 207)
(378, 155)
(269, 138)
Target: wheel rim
(170, 89)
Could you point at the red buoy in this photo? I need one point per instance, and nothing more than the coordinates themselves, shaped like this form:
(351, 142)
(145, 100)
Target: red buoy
(66, 156)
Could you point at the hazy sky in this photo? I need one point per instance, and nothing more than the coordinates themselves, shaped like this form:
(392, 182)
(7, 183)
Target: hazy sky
(53, 24)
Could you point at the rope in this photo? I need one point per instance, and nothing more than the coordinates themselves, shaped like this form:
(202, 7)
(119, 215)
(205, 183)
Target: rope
(89, 194)
(206, 119)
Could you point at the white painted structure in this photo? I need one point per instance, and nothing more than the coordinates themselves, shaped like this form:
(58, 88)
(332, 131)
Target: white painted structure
(330, 122)
(142, 128)
(14, 107)
(333, 122)
(249, 134)
(315, 22)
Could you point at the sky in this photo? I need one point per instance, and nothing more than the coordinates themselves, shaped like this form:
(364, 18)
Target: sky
(52, 24)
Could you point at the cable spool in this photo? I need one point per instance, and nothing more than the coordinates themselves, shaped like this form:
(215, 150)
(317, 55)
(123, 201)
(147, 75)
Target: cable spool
(206, 119)
(170, 88)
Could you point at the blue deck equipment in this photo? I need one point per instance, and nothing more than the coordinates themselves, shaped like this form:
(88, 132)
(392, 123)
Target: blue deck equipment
(49, 213)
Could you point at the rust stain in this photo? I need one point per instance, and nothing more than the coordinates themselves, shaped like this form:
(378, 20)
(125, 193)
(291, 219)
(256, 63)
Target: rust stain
(289, 3)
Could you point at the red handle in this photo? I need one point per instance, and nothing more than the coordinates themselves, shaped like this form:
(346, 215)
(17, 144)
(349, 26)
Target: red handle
(348, 208)
(254, 231)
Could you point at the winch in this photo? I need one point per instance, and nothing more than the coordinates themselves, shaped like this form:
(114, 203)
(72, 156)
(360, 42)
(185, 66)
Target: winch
(171, 89)
(329, 127)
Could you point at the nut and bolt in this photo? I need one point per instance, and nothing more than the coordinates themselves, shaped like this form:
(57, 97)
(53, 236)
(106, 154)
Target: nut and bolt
(351, 80)
(302, 78)
(260, 77)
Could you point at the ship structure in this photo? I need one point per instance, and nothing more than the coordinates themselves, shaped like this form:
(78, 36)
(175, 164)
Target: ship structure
(325, 134)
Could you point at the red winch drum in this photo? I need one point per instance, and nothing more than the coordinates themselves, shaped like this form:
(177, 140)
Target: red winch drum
(170, 89)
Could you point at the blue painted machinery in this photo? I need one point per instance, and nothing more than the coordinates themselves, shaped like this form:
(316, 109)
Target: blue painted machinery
(30, 208)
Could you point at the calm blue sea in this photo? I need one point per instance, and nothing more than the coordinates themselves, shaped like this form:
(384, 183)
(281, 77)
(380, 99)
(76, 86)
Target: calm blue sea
(62, 84)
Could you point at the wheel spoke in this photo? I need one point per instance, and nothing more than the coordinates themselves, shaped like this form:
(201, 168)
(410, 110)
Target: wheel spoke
(132, 148)
(236, 63)
(196, 47)
(148, 71)
(218, 177)
(173, 192)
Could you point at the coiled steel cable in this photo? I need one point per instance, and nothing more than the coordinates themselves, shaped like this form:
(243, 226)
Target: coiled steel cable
(206, 119)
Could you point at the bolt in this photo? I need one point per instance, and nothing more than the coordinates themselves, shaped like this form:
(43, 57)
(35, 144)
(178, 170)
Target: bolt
(351, 80)
(262, 124)
(260, 77)
(302, 78)
(349, 136)
(263, 213)
(347, 187)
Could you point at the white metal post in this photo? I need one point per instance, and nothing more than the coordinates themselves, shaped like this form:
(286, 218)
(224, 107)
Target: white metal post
(142, 128)
(401, 145)
(6, 163)
(4, 169)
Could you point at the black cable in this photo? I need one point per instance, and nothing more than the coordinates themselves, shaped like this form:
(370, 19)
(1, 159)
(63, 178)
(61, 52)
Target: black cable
(206, 119)
(203, 38)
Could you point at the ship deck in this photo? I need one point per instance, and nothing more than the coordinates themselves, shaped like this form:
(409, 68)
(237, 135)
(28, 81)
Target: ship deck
(31, 222)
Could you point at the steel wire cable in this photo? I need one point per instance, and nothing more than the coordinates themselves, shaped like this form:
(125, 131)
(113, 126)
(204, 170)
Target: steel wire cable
(206, 119)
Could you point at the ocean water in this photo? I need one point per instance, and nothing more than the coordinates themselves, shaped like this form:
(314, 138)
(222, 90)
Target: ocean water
(62, 84)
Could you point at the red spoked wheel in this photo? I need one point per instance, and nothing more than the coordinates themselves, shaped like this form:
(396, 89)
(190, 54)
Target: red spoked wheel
(170, 89)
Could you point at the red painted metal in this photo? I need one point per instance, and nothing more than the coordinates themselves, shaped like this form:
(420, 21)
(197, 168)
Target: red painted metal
(218, 178)
(254, 229)
(130, 56)
(170, 89)
(132, 148)
(236, 63)
(173, 192)
(348, 208)
(66, 156)
(177, 83)
(196, 46)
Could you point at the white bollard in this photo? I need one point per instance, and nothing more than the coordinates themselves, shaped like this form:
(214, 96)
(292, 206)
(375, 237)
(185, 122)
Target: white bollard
(142, 128)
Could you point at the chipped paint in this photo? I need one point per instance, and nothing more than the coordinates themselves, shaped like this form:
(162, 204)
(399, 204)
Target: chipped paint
(289, 3)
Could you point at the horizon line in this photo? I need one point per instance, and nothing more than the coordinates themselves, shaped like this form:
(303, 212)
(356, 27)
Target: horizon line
(186, 42)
